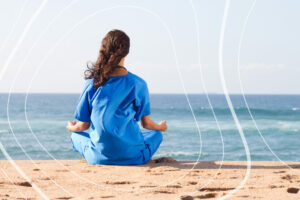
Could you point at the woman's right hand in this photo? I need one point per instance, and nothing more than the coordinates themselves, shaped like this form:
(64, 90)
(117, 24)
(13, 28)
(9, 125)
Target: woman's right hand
(163, 126)
(70, 125)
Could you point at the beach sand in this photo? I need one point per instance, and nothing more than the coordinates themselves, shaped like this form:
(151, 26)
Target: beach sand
(158, 179)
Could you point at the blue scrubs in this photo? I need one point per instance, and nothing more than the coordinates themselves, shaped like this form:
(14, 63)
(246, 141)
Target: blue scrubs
(114, 110)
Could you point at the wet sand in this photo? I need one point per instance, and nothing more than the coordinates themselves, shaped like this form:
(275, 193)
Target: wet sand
(159, 179)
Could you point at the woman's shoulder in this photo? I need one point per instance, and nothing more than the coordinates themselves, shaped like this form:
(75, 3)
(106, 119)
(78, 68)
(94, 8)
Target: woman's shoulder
(137, 79)
(88, 84)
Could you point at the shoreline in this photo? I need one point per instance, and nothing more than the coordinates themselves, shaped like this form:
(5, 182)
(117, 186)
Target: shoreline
(158, 179)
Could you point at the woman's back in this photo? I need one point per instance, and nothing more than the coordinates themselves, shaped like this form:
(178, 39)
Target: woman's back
(114, 109)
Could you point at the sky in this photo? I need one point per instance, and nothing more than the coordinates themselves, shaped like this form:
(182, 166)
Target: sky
(47, 53)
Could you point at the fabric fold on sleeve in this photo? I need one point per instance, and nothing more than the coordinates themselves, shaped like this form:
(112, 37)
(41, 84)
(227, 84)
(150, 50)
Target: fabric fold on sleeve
(83, 111)
(142, 102)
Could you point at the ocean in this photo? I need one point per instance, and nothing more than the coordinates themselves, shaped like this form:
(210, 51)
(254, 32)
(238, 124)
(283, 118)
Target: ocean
(35, 128)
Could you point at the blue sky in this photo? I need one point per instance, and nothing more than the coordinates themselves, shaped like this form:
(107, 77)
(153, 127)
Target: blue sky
(269, 61)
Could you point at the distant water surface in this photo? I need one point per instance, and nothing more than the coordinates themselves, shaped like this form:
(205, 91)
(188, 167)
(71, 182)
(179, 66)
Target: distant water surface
(39, 133)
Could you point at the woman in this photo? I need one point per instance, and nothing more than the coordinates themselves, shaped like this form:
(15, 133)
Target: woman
(112, 103)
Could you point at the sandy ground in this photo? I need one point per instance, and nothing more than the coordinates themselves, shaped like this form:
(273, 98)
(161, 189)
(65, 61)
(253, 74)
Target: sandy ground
(158, 179)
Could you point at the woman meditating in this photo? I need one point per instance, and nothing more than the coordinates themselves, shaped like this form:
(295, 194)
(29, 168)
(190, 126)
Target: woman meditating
(112, 103)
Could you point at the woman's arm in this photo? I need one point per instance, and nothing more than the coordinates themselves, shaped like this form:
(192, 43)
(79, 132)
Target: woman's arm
(79, 126)
(147, 123)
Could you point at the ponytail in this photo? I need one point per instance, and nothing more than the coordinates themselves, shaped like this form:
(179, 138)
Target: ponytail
(115, 46)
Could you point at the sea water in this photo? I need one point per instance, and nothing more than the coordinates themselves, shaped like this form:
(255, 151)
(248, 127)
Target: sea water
(199, 126)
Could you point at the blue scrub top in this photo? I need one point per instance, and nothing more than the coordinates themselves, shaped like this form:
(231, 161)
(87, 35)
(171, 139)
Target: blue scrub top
(114, 110)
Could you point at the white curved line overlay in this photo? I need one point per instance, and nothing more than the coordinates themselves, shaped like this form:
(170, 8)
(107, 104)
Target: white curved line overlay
(208, 99)
(13, 163)
(236, 120)
(243, 91)
(28, 26)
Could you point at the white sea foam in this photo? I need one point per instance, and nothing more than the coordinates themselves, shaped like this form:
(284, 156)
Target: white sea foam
(178, 153)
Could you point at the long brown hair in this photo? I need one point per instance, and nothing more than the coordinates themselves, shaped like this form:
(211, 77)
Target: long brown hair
(115, 45)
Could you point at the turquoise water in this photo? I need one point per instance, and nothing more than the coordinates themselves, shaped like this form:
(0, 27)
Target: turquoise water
(43, 134)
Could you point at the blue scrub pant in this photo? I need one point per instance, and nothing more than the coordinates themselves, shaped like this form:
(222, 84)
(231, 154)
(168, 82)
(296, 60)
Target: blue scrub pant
(152, 140)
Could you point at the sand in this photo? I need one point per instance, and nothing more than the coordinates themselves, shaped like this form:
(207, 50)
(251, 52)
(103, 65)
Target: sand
(158, 179)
